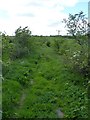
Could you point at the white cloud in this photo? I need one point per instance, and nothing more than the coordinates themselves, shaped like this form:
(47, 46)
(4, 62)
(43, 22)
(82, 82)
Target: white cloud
(42, 16)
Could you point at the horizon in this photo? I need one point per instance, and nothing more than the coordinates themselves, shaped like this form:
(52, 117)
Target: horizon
(42, 17)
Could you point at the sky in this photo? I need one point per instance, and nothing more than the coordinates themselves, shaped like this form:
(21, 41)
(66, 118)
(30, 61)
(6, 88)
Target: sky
(43, 17)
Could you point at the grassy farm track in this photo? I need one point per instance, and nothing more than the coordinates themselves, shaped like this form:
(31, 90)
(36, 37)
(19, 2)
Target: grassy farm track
(44, 85)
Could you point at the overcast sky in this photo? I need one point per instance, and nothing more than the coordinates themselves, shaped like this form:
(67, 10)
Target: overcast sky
(43, 17)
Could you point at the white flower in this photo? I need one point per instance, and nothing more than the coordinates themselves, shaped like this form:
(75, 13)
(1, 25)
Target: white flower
(74, 55)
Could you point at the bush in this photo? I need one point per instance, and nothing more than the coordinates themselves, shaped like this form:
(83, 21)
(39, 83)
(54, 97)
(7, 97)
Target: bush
(19, 52)
(21, 43)
(58, 44)
(48, 43)
(75, 56)
(22, 36)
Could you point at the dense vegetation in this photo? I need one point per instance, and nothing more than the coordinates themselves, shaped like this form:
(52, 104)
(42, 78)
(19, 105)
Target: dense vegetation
(44, 74)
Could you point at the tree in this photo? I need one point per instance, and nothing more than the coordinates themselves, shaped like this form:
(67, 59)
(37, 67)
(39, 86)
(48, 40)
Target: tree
(22, 36)
(77, 25)
(21, 43)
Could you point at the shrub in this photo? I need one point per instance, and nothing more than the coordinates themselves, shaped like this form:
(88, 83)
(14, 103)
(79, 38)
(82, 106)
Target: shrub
(19, 52)
(57, 45)
(48, 43)
(21, 43)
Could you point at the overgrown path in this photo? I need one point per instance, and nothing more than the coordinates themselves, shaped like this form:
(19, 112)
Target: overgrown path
(23, 97)
(50, 89)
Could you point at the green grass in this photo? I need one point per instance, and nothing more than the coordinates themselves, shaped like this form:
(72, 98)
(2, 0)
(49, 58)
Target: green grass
(46, 82)
(12, 92)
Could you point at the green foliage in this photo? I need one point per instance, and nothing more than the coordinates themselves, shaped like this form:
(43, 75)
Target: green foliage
(22, 36)
(77, 25)
(57, 44)
(21, 43)
(47, 79)
(48, 43)
(7, 47)
(11, 94)
(18, 72)
(19, 52)
(74, 55)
